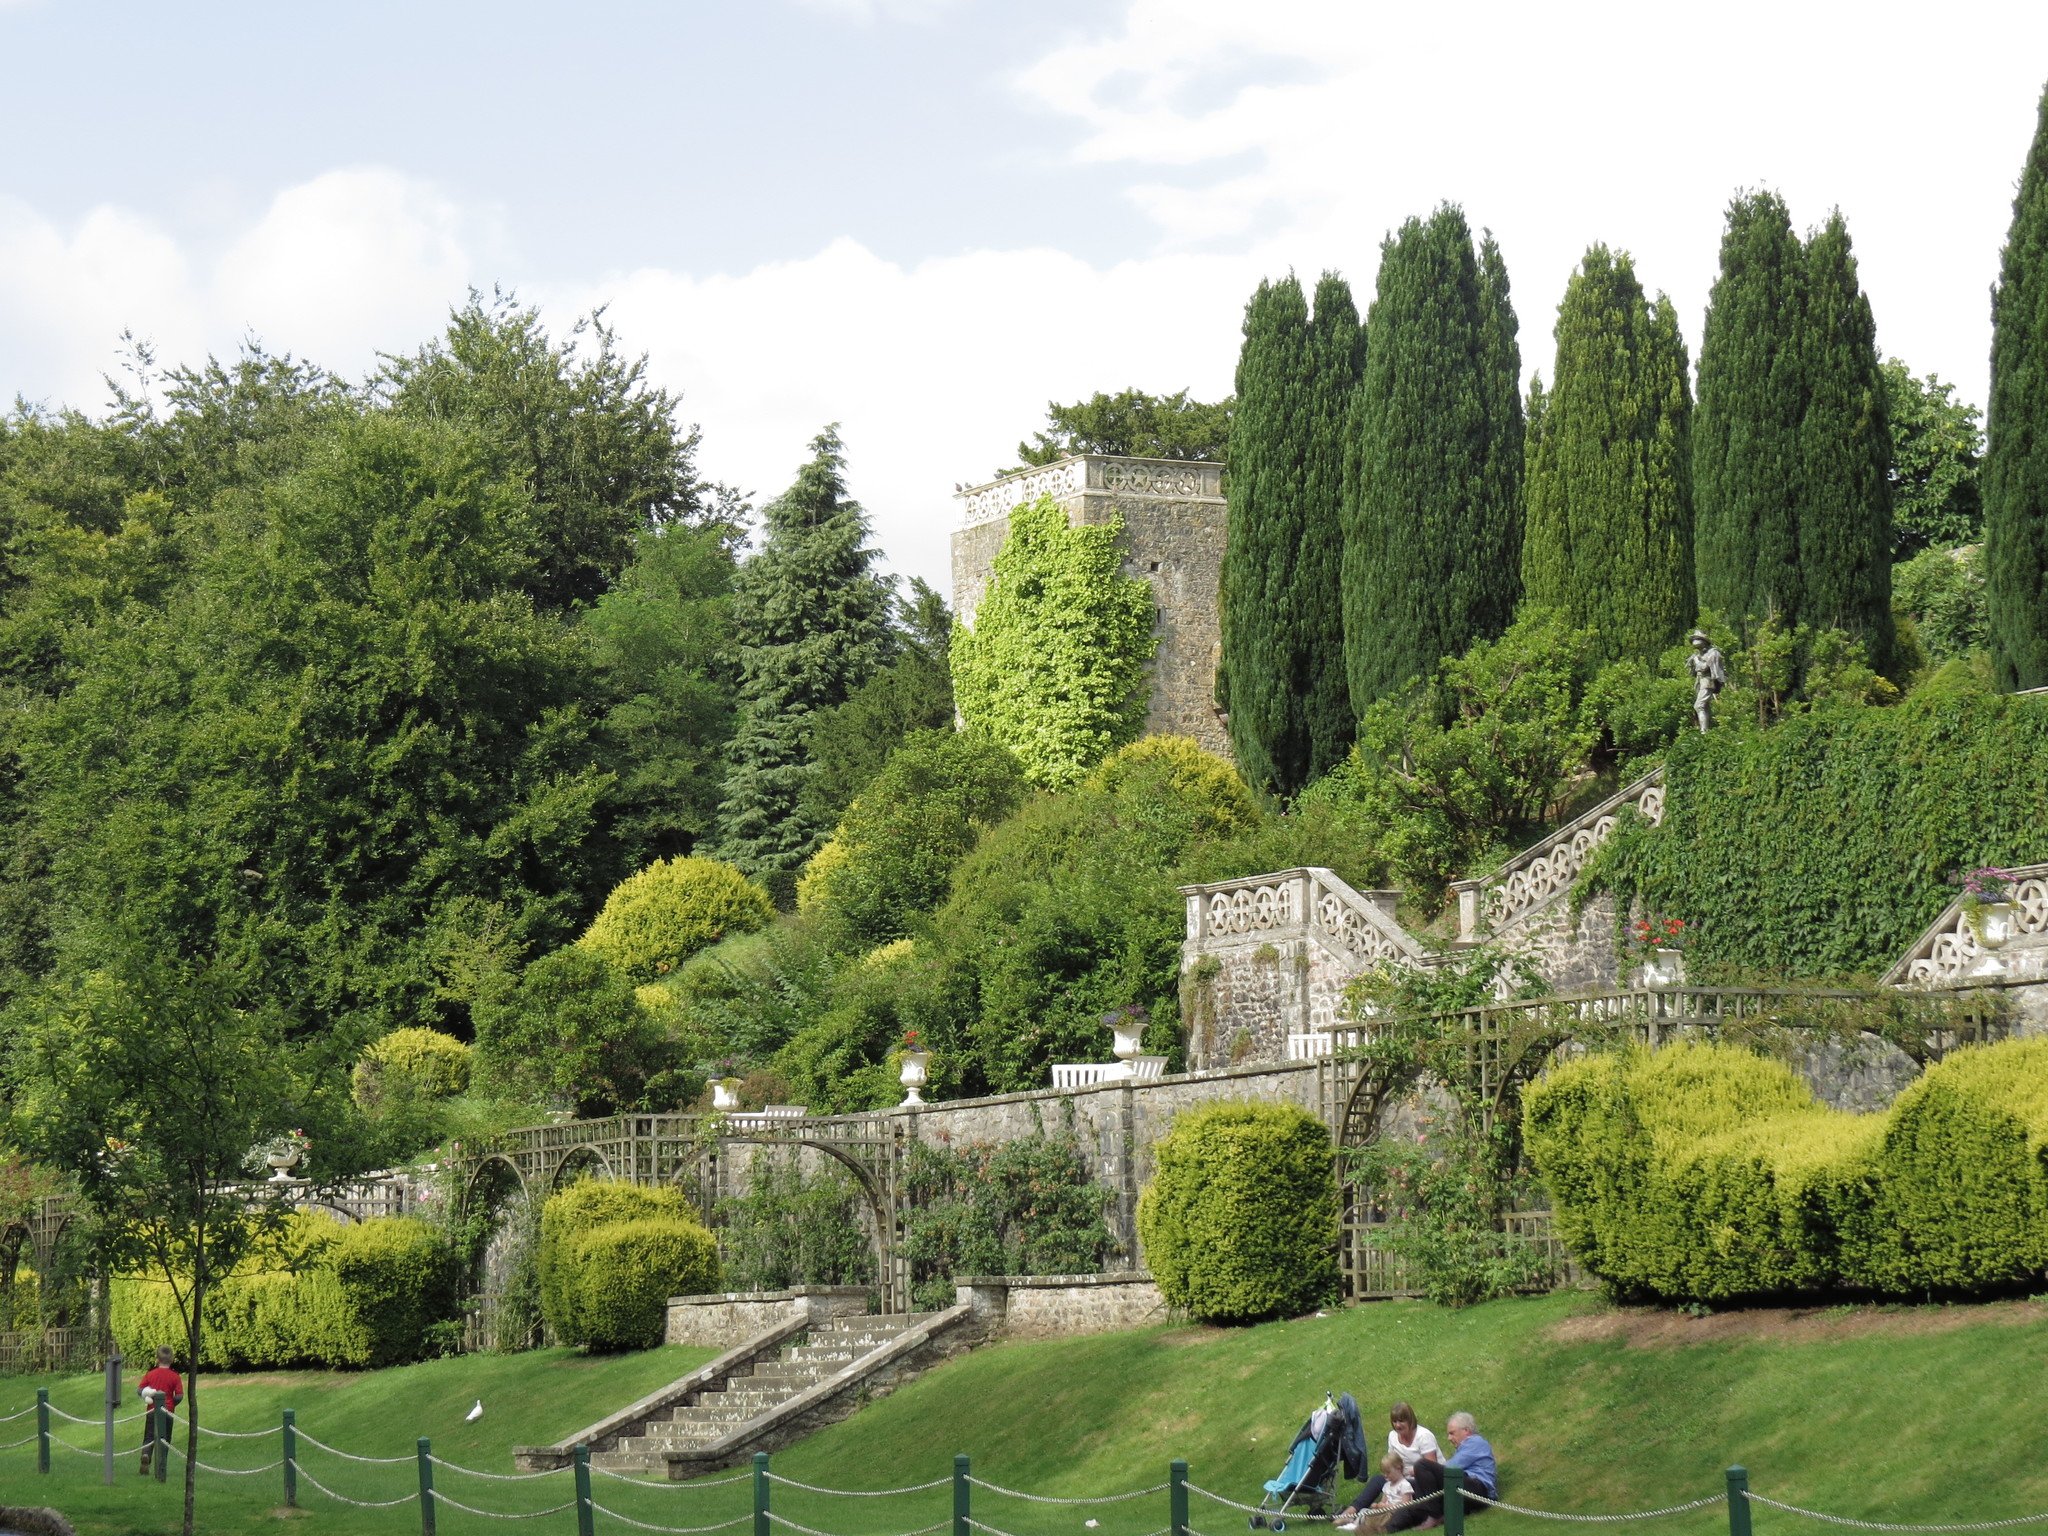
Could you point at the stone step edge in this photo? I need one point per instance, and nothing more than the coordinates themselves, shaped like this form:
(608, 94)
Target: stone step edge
(550, 1458)
(683, 1465)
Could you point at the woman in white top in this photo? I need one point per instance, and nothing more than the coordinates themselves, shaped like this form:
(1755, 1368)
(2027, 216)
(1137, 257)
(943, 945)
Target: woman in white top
(1405, 1439)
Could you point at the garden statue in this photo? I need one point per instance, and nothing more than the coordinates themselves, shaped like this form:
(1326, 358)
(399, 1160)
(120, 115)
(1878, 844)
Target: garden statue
(1709, 676)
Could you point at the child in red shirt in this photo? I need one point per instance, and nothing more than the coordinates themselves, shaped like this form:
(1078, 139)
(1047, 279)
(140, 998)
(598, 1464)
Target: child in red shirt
(161, 1383)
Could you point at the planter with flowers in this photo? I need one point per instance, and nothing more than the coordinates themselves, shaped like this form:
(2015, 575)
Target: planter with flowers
(913, 1068)
(1657, 944)
(1127, 1025)
(281, 1155)
(1988, 909)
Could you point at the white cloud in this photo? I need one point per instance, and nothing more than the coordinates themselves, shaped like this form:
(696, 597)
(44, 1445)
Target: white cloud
(1291, 134)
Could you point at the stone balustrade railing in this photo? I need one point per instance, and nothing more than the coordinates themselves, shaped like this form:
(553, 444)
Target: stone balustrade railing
(1168, 478)
(1300, 903)
(1539, 875)
(1950, 953)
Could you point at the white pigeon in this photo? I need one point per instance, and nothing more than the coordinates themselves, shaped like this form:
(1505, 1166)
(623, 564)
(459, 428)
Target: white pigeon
(475, 1413)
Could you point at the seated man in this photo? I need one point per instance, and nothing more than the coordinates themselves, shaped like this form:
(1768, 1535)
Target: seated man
(1471, 1455)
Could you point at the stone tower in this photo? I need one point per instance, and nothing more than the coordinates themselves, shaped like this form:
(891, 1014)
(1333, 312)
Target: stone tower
(1173, 515)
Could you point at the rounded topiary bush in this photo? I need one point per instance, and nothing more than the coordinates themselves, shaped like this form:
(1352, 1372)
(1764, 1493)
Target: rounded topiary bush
(1206, 784)
(627, 1270)
(653, 921)
(592, 1205)
(411, 1064)
(1240, 1219)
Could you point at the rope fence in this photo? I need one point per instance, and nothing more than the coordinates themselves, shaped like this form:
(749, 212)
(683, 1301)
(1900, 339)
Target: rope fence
(1455, 1498)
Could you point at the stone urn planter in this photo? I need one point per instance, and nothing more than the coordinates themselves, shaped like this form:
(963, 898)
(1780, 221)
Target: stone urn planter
(282, 1162)
(1992, 922)
(1664, 968)
(1130, 1040)
(915, 1073)
(725, 1094)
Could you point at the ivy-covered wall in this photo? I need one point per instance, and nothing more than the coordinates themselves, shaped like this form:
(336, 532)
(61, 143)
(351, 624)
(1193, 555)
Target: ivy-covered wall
(1822, 847)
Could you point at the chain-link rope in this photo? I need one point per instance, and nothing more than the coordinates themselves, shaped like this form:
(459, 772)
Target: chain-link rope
(10, 1445)
(672, 1530)
(1254, 1509)
(74, 1418)
(498, 1477)
(861, 1493)
(31, 1408)
(627, 1477)
(807, 1531)
(350, 1455)
(359, 1503)
(992, 1531)
(1551, 1514)
(492, 1514)
(239, 1434)
(1041, 1498)
(1883, 1525)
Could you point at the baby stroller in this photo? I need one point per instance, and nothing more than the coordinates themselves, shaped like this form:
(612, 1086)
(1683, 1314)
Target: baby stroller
(1332, 1437)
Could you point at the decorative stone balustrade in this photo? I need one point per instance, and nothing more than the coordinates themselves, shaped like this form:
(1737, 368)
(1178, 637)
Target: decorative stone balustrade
(1949, 953)
(1070, 479)
(1317, 1044)
(1534, 879)
(1267, 958)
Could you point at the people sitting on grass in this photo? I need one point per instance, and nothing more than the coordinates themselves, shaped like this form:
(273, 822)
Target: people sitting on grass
(1407, 1442)
(1390, 1489)
(1471, 1455)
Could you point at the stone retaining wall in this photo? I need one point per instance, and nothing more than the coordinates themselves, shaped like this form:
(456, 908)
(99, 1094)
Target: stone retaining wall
(1049, 1306)
(726, 1320)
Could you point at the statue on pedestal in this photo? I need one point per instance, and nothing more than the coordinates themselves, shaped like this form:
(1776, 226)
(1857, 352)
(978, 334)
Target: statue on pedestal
(1709, 676)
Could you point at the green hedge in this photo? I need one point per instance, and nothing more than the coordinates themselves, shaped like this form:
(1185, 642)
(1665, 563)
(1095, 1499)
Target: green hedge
(581, 1304)
(1240, 1219)
(625, 1273)
(1705, 1173)
(1870, 811)
(1964, 1201)
(374, 1293)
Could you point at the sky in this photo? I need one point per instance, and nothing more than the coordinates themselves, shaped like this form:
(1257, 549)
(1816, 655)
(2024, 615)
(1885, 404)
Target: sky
(923, 219)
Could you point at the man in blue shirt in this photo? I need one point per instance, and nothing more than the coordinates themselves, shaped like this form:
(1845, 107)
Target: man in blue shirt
(1472, 1456)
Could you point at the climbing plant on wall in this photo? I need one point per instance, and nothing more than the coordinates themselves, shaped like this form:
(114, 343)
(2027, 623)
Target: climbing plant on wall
(1822, 846)
(1053, 666)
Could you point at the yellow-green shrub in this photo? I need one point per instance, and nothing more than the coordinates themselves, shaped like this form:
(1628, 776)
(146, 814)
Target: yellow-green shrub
(1240, 1219)
(627, 1270)
(368, 1294)
(1200, 778)
(411, 1063)
(1963, 1197)
(655, 920)
(589, 1206)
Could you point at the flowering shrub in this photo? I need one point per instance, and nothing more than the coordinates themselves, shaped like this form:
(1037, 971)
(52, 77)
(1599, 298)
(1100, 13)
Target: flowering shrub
(1656, 935)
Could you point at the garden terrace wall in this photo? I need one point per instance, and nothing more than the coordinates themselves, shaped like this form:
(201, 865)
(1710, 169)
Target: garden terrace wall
(1059, 1306)
(723, 1320)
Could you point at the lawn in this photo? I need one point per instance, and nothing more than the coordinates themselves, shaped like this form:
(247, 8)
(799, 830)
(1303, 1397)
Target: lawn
(1896, 1413)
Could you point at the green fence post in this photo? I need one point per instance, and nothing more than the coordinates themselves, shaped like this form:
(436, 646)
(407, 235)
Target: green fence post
(962, 1509)
(760, 1493)
(160, 1416)
(291, 1459)
(1738, 1501)
(42, 1429)
(1177, 1498)
(426, 1487)
(1454, 1501)
(586, 1517)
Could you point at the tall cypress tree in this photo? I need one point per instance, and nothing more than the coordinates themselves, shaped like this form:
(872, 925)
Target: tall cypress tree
(1258, 675)
(1746, 437)
(1845, 453)
(1281, 679)
(1609, 492)
(2016, 467)
(1336, 354)
(1432, 520)
(810, 619)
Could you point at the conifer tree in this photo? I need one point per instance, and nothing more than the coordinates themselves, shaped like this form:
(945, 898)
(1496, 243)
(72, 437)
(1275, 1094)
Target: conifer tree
(1432, 520)
(2016, 467)
(1845, 454)
(1746, 437)
(1609, 492)
(811, 622)
(1281, 678)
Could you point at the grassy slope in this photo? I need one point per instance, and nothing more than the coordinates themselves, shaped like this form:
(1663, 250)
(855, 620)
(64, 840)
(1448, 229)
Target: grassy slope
(1902, 1414)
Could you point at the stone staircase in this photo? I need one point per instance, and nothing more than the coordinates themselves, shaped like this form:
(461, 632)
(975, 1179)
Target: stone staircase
(774, 1389)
